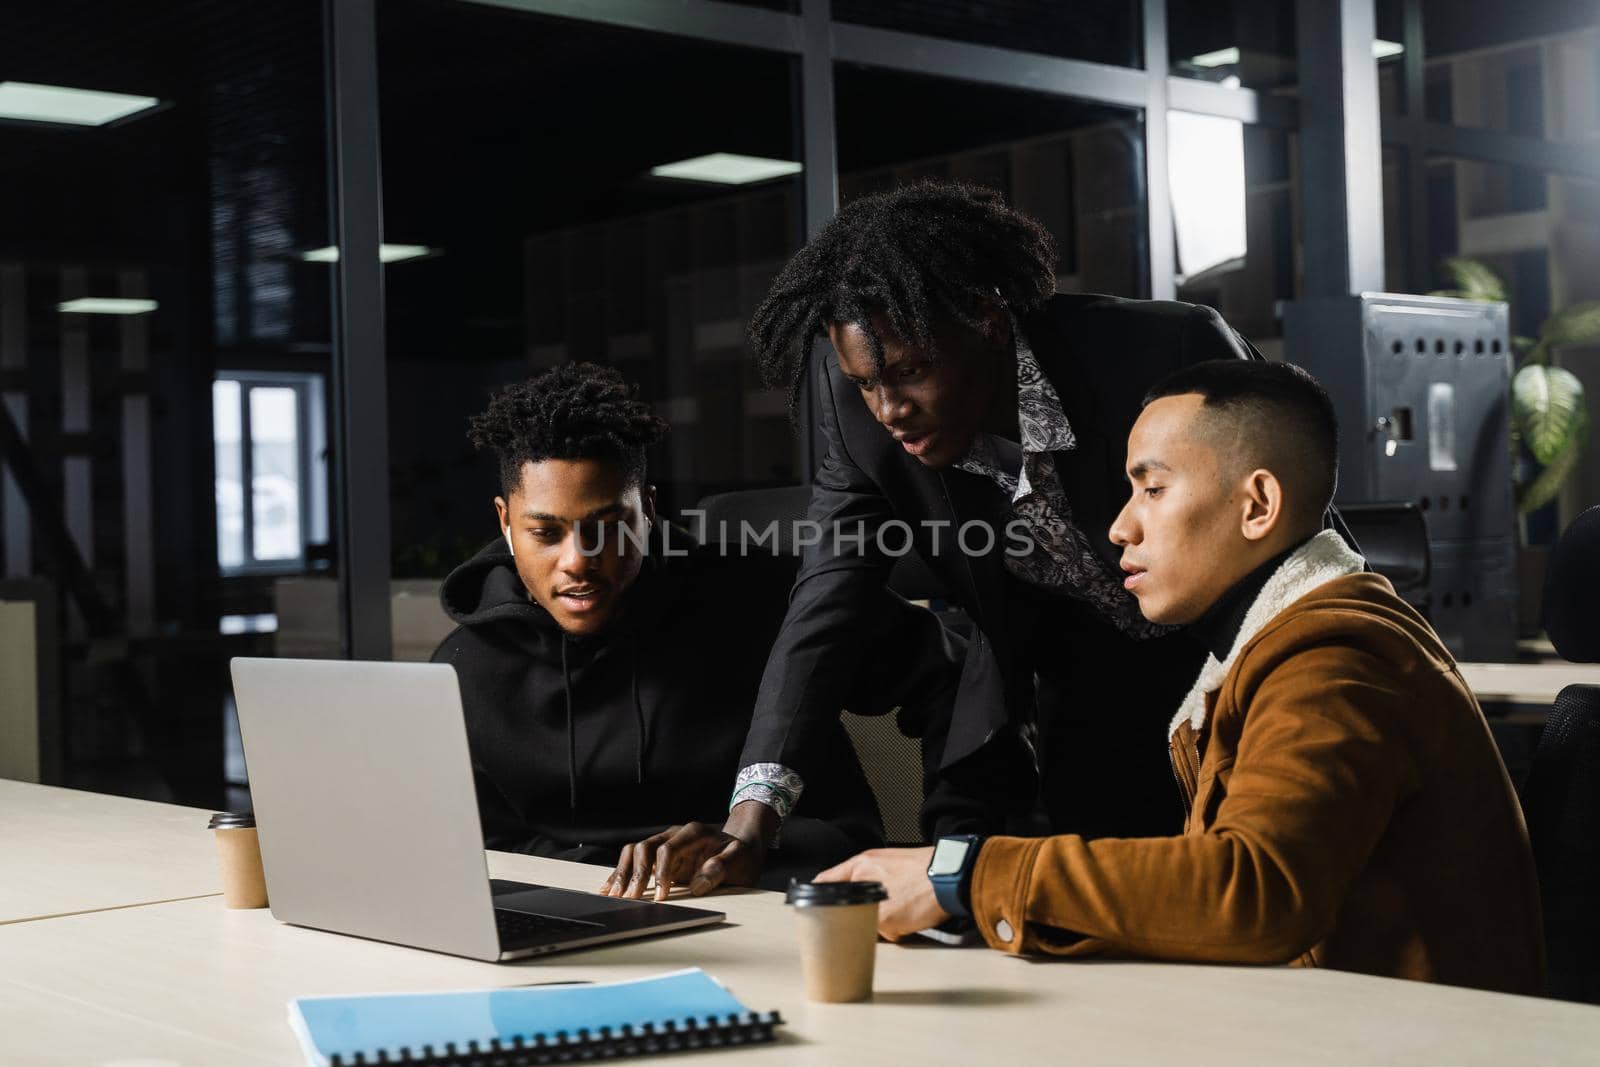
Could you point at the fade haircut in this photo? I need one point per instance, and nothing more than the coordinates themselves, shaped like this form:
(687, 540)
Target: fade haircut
(574, 411)
(1267, 415)
(923, 256)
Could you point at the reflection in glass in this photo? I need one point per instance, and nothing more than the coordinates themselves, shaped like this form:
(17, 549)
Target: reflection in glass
(1401, 263)
(1522, 68)
(275, 474)
(1234, 43)
(1522, 223)
(1390, 19)
(226, 432)
(185, 198)
(1102, 31)
(531, 175)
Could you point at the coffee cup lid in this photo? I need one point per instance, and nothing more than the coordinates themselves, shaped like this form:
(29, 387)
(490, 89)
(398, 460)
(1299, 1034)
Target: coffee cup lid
(821, 893)
(231, 820)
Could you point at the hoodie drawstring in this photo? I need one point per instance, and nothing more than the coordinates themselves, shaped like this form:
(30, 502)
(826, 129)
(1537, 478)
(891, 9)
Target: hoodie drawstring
(572, 743)
(640, 738)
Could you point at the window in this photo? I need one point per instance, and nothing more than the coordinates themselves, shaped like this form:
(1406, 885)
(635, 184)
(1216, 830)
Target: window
(269, 435)
(1233, 215)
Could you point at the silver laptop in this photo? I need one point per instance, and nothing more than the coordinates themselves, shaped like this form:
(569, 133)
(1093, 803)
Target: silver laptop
(368, 818)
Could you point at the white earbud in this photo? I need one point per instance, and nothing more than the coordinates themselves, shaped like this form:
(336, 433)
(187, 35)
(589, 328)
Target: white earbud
(509, 545)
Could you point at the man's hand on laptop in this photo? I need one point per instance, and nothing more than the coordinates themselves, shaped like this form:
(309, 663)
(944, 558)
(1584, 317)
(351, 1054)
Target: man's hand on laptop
(702, 854)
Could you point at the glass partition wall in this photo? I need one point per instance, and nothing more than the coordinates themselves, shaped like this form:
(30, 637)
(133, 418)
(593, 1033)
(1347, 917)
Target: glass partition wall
(164, 349)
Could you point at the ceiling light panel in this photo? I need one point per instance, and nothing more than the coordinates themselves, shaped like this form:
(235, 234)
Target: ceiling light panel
(74, 107)
(106, 305)
(727, 168)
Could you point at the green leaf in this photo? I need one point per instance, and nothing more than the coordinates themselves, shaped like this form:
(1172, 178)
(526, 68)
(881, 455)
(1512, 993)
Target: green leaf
(1545, 488)
(1474, 280)
(1548, 409)
(1575, 324)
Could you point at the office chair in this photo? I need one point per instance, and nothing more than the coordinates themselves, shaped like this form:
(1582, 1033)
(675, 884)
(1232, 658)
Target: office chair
(1394, 539)
(759, 508)
(1562, 797)
(892, 763)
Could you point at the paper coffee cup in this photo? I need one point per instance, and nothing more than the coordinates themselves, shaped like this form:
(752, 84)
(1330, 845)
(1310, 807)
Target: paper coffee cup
(244, 884)
(838, 927)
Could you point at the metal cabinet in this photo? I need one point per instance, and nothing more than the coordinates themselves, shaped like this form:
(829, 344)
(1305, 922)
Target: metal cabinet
(1421, 385)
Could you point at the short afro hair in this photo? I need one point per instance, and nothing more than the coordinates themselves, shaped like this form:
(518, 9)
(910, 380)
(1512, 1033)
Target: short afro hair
(1271, 415)
(922, 255)
(574, 411)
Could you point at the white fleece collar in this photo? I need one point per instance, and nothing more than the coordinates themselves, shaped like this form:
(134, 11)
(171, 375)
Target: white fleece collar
(1315, 563)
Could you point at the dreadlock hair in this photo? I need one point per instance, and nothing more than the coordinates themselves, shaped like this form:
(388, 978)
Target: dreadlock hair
(574, 411)
(918, 254)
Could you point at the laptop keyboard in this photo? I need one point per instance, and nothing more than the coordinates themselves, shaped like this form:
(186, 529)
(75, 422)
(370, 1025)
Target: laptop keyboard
(518, 928)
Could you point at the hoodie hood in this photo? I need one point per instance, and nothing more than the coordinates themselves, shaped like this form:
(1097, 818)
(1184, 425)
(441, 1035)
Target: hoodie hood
(488, 589)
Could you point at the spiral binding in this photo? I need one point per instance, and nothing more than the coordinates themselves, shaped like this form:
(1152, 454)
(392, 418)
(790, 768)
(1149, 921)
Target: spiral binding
(564, 1046)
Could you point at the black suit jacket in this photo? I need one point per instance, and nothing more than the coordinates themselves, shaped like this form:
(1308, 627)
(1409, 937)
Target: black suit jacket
(1102, 354)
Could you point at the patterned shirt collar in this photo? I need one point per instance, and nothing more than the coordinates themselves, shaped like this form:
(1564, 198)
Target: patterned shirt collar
(1041, 420)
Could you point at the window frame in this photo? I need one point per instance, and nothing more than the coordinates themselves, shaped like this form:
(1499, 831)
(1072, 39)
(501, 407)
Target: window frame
(311, 458)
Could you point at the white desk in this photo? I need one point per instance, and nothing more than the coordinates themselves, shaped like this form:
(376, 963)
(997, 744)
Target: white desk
(1526, 683)
(190, 983)
(64, 851)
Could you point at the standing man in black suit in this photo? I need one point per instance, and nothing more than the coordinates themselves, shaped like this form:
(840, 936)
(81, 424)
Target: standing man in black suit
(968, 407)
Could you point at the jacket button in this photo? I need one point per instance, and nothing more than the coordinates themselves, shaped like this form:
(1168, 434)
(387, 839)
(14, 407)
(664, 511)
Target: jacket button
(1003, 931)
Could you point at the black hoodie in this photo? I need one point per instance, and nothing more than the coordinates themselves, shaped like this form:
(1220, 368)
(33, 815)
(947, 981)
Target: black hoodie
(583, 744)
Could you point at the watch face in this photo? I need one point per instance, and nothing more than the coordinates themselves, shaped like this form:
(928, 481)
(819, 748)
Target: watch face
(948, 855)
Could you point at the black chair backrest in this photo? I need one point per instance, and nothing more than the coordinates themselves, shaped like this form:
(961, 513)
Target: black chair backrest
(1562, 803)
(1562, 797)
(759, 508)
(1394, 539)
(1572, 578)
(911, 577)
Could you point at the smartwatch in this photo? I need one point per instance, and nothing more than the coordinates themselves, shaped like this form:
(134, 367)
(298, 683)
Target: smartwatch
(950, 871)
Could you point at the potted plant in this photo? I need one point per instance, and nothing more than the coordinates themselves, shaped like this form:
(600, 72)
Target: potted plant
(1548, 411)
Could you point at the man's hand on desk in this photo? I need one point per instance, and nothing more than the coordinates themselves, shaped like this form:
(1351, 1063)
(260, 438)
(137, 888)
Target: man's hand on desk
(904, 873)
(704, 855)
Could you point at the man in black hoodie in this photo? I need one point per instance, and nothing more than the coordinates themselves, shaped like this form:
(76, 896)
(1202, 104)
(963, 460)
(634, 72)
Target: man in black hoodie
(608, 665)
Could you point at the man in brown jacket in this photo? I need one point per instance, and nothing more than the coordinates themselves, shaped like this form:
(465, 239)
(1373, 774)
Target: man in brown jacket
(1346, 804)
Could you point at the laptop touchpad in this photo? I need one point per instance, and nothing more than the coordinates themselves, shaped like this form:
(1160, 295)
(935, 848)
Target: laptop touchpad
(546, 900)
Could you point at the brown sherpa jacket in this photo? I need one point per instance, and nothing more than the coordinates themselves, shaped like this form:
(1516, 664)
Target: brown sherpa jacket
(1347, 809)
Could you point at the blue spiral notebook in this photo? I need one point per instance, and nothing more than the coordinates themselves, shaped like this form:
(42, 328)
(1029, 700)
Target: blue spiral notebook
(551, 1024)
